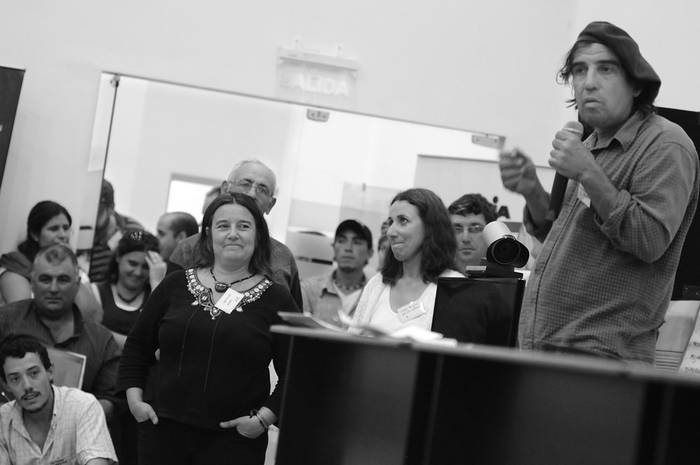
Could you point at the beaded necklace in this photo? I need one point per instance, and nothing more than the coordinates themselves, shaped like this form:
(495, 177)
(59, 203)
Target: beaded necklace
(220, 286)
(351, 288)
(203, 296)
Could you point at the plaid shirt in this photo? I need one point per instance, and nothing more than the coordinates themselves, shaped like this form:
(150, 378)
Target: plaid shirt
(78, 432)
(322, 298)
(603, 287)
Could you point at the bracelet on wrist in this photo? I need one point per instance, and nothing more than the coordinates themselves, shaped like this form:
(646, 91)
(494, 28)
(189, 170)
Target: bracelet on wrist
(261, 420)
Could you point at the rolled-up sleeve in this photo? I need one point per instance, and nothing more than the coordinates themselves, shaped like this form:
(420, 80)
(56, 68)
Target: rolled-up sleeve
(647, 215)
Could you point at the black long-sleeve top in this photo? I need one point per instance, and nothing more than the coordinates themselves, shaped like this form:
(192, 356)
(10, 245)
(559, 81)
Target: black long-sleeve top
(210, 369)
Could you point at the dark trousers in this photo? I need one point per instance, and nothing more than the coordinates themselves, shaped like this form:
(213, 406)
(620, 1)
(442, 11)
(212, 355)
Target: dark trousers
(124, 431)
(174, 443)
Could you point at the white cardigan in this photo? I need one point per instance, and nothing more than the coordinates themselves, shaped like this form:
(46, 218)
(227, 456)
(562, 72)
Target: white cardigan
(370, 302)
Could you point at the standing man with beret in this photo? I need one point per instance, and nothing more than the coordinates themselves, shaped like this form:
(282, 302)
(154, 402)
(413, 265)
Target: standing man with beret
(603, 280)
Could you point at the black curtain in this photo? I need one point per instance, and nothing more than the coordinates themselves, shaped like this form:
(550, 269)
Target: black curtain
(10, 86)
(687, 284)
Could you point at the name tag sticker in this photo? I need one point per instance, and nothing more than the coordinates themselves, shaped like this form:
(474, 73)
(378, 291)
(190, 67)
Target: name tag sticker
(229, 301)
(410, 311)
(583, 196)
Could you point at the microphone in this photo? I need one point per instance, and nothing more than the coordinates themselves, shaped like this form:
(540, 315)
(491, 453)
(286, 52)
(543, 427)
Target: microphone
(556, 197)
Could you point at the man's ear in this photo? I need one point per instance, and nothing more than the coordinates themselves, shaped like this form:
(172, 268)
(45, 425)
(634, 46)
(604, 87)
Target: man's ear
(180, 236)
(273, 201)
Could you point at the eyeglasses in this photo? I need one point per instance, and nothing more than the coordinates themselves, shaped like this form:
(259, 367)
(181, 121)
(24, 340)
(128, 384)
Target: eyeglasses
(246, 184)
(472, 228)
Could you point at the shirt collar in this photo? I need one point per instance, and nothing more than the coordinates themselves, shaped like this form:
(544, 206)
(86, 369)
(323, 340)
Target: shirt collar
(625, 135)
(16, 419)
(330, 286)
(78, 323)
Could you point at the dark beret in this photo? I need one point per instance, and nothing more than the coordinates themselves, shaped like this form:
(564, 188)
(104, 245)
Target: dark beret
(627, 52)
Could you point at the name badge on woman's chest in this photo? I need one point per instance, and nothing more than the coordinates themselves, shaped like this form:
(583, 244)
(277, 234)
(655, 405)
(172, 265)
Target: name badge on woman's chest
(229, 301)
(410, 311)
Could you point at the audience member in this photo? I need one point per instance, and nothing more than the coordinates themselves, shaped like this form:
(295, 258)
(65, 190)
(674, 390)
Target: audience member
(469, 214)
(47, 424)
(422, 248)
(210, 196)
(603, 279)
(123, 296)
(109, 228)
(384, 228)
(53, 318)
(382, 247)
(255, 179)
(532, 244)
(212, 373)
(48, 223)
(172, 229)
(338, 291)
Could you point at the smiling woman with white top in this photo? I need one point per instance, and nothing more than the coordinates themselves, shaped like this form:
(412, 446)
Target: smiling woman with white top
(421, 249)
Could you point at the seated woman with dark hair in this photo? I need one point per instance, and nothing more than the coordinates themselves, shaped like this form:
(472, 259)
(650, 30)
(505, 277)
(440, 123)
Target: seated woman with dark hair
(129, 285)
(48, 223)
(421, 249)
(208, 398)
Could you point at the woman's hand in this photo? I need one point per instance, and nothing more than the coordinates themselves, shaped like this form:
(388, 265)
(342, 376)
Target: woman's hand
(249, 427)
(156, 268)
(140, 410)
(143, 411)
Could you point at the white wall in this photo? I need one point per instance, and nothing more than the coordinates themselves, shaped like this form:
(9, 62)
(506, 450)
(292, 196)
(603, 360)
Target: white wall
(160, 130)
(487, 66)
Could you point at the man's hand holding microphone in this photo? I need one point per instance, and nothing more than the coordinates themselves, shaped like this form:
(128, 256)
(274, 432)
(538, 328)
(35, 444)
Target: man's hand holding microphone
(568, 157)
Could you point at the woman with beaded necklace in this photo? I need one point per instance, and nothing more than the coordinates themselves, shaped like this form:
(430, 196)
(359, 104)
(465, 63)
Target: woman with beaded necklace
(208, 397)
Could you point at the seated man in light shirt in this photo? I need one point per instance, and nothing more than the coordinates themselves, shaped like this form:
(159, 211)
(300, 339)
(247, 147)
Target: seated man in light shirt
(324, 296)
(47, 424)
